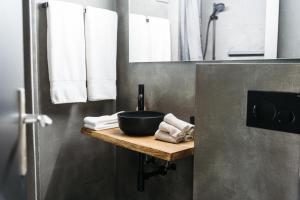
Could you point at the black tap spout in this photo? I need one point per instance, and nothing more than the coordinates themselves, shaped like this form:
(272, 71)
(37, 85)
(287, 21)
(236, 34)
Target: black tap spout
(141, 98)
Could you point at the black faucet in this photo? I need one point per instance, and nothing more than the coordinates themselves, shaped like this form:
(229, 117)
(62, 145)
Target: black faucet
(141, 179)
(141, 98)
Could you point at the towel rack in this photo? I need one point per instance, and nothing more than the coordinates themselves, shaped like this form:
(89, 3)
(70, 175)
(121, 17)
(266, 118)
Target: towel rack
(46, 5)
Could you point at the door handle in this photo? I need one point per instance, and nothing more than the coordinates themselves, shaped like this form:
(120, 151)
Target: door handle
(24, 119)
(43, 120)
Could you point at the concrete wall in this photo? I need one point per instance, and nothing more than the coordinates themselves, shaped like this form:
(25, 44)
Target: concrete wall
(169, 87)
(241, 27)
(70, 165)
(232, 161)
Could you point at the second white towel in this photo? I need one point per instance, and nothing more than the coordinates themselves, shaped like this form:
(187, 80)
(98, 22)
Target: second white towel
(101, 50)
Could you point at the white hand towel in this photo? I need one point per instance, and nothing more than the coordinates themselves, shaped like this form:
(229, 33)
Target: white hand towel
(149, 41)
(94, 121)
(160, 39)
(166, 137)
(180, 124)
(100, 127)
(106, 119)
(66, 52)
(139, 49)
(171, 130)
(101, 50)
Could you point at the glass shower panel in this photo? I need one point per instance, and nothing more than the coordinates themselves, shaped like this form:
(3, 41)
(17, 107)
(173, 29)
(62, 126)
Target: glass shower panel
(12, 185)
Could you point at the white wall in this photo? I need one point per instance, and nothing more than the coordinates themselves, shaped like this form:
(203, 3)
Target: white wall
(149, 8)
(289, 31)
(240, 28)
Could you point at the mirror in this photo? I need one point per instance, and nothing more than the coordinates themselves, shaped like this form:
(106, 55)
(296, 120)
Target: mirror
(197, 30)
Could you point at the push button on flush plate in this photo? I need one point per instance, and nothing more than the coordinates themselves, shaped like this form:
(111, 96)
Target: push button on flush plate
(286, 117)
(264, 111)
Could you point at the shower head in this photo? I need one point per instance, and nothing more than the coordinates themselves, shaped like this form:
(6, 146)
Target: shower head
(218, 7)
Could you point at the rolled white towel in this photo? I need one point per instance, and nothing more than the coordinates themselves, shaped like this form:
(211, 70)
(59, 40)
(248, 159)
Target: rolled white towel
(166, 137)
(171, 130)
(100, 127)
(189, 136)
(180, 124)
(106, 119)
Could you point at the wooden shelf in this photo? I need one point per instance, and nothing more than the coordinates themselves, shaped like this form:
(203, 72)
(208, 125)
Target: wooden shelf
(147, 145)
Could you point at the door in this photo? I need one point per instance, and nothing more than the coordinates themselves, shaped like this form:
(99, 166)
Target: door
(12, 185)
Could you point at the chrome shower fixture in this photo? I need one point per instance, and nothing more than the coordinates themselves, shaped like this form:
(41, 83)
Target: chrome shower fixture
(218, 7)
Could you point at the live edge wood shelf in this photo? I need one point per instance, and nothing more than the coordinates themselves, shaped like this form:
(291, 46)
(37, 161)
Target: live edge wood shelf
(146, 145)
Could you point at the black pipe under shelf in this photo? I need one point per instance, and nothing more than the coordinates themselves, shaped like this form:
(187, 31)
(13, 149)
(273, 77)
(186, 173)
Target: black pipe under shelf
(161, 170)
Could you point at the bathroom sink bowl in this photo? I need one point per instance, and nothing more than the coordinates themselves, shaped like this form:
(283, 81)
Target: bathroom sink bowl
(140, 123)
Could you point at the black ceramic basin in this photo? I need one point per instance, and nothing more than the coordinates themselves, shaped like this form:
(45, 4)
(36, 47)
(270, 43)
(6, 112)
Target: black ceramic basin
(140, 123)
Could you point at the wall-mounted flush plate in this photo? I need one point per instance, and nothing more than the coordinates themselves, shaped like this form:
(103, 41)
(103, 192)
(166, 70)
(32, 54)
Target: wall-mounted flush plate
(278, 111)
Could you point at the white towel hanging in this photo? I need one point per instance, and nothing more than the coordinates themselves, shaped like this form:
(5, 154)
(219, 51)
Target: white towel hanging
(101, 52)
(66, 52)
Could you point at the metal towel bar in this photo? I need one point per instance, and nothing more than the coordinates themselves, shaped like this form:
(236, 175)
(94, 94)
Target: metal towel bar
(46, 4)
